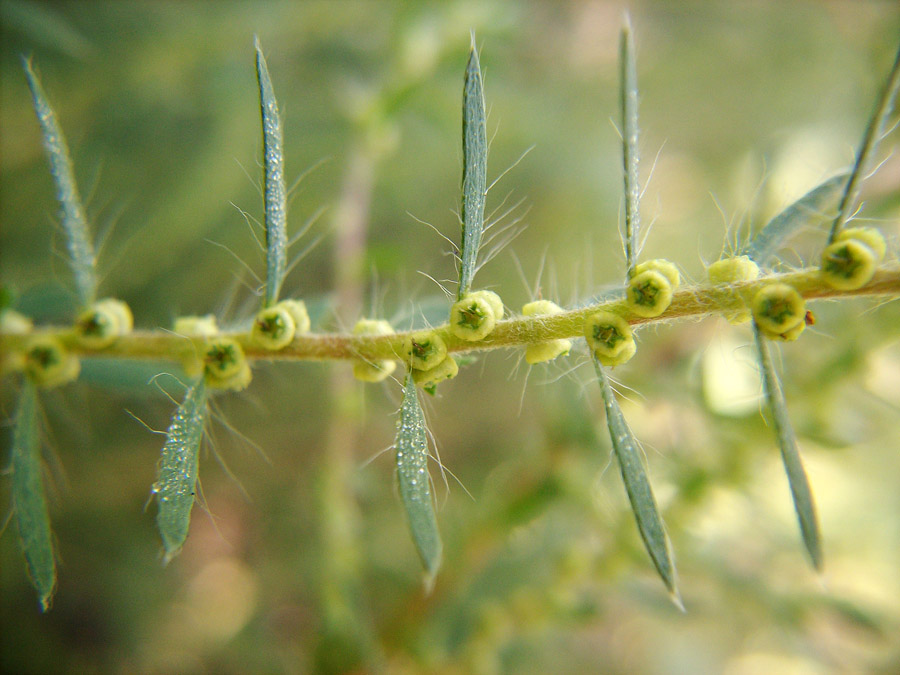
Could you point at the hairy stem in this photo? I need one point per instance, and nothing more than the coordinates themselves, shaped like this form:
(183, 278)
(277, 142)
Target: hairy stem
(688, 302)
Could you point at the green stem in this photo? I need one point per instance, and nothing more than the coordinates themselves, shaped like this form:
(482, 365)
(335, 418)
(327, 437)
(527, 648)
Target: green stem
(690, 302)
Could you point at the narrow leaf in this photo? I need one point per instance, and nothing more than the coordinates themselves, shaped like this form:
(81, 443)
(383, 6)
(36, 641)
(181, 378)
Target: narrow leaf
(74, 221)
(415, 483)
(29, 501)
(799, 214)
(874, 133)
(274, 189)
(787, 442)
(637, 485)
(629, 109)
(176, 486)
(474, 181)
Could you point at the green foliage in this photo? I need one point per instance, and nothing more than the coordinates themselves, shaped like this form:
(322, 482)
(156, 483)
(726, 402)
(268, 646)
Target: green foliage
(29, 500)
(176, 487)
(305, 561)
(414, 482)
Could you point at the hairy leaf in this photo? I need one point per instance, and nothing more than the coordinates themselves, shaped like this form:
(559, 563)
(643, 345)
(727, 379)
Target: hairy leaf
(637, 485)
(74, 221)
(474, 182)
(872, 136)
(787, 442)
(630, 158)
(176, 486)
(799, 214)
(415, 483)
(274, 189)
(29, 501)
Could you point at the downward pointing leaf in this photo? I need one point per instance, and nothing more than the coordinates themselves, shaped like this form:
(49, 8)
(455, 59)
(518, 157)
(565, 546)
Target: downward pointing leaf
(176, 487)
(415, 483)
(29, 501)
(637, 485)
(787, 442)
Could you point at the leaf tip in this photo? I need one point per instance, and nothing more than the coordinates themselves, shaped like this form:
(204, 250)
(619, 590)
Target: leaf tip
(675, 597)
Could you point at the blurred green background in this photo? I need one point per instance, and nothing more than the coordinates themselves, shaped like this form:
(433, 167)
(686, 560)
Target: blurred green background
(300, 561)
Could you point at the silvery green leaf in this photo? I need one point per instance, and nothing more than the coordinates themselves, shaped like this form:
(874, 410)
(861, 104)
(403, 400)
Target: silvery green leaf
(787, 442)
(274, 189)
(415, 483)
(29, 500)
(799, 214)
(637, 485)
(871, 138)
(628, 100)
(74, 221)
(474, 181)
(175, 489)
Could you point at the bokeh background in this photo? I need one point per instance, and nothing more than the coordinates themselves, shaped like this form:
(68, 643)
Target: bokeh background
(299, 560)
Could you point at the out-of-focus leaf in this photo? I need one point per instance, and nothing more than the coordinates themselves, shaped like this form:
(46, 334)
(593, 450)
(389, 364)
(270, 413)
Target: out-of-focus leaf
(29, 500)
(810, 206)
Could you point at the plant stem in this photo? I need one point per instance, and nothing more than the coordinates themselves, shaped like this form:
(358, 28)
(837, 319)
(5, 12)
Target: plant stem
(689, 302)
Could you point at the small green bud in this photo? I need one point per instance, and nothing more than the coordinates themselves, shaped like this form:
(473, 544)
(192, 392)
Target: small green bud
(495, 302)
(623, 356)
(425, 350)
(474, 317)
(445, 370)
(730, 270)
(610, 338)
(663, 266)
(15, 322)
(100, 324)
(544, 351)
(539, 307)
(49, 364)
(868, 236)
(273, 328)
(373, 371)
(787, 336)
(848, 264)
(297, 310)
(224, 364)
(649, 293)
(196, 326)
(778, 309)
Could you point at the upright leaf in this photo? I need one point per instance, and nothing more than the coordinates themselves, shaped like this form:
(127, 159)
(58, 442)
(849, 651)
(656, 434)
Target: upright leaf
(871, 137)
(29, 501)
(176, 486)
(787, 442)
(628, 96)
(274, 189)
(74, 221)
(637, 485)
(414, 481)
(799, 214)
(474, 181)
